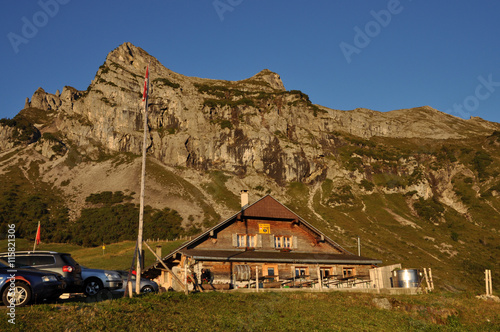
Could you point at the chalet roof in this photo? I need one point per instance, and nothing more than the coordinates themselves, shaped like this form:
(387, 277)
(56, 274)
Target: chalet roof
(277, 256)
(275, 210)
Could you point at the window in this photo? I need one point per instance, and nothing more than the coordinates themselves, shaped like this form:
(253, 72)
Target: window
(270, 272)
(301, 272)
(42, 260)
(22, 261)
(282, 242)
(246, 241)
(325, 272)
(348, 272)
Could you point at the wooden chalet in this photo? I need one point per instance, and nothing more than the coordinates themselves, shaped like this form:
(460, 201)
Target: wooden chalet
(264, 245)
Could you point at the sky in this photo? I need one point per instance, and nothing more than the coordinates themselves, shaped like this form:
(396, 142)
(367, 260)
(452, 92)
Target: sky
(381, 55)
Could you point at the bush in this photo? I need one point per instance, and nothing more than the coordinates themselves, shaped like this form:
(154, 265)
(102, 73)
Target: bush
(226, 124)
(342, 196)
(25, 131)
(480, 162)
(429, 209)
(367, 185)
(495, 136)
(107, 198)
(167, 82)
(354, 163)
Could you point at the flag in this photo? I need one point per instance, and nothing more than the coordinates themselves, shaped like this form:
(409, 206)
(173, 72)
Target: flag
(37, 238)
(146, 84)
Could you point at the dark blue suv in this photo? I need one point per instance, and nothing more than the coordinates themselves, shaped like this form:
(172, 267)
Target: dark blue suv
(19, 287)
(57, 262)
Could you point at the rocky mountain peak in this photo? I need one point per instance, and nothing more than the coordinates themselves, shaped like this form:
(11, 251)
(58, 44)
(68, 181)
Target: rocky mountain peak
(270, 78)
(127, 53)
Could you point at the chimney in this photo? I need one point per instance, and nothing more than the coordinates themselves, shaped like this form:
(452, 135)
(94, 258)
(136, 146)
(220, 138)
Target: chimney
(244, 198)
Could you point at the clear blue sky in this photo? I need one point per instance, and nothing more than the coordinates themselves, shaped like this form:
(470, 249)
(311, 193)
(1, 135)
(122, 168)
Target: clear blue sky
(381, 55)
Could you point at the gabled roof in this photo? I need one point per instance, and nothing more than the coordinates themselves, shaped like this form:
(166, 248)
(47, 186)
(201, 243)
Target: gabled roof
(273, 210)
(276, 256)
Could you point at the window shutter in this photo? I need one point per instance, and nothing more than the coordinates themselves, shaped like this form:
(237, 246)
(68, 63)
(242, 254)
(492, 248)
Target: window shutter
(271, 238)
(259, 241)
(235, 240)
(295, 245)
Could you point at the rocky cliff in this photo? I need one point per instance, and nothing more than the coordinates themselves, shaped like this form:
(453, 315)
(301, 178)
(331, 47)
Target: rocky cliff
(422, 177)
(237, 127)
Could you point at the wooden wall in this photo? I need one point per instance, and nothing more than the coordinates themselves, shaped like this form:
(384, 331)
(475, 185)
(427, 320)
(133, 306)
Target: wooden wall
(304, 240)
(225, 272)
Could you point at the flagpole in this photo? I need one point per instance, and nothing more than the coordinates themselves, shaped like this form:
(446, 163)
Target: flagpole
(143, 176)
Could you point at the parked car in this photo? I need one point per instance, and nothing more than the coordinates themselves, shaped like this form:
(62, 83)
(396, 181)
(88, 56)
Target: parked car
(95, 280)
(29, 285)
(61, 263)
(147, 286)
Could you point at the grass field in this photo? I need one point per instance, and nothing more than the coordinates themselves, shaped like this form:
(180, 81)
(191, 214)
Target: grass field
(291, 311)
(236, 311)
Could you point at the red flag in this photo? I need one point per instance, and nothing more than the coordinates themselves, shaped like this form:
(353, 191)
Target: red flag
(146, 84)
(37, 238)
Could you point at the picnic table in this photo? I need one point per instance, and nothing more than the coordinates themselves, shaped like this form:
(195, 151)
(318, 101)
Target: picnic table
(299, 281)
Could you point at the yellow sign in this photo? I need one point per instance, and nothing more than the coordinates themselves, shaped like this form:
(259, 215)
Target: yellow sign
(265, 228)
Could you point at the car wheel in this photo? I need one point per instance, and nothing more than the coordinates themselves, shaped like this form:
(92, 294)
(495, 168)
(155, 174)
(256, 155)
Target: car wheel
(20, 294)
(147, 289)
(92, 287)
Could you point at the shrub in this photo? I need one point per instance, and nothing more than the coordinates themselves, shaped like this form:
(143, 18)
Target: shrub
(429, 209)
(495, 136)
(226, 124)
(107, 198)
(342, 196)
(354, 163)
(167, 82)
(480, 162)
(25, 131)
(300, 94)
(367, 185)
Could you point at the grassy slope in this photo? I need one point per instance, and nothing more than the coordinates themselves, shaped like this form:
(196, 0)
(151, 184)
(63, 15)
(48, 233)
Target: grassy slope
(297, 311)
(238, 311)
(456, 265)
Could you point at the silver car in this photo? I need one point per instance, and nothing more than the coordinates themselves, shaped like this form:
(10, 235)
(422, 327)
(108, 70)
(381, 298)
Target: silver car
(147, 286)
(95, 280)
